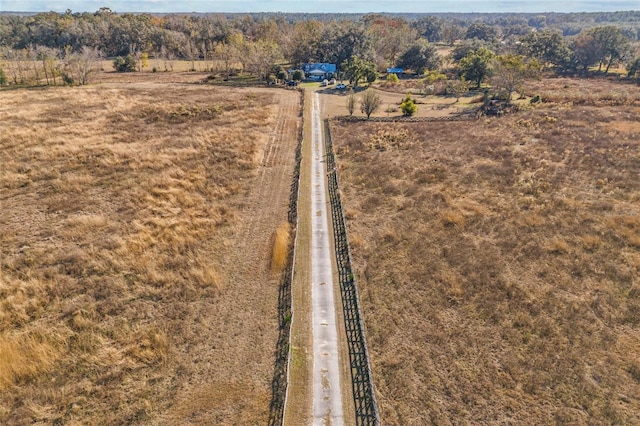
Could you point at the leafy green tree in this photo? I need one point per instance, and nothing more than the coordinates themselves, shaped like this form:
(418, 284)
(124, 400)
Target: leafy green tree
(612, 45)
(370, 101)
(430, 27)
(463, 48)
(421, 56)
(482, 31)
(343, 40)
(547, 46)
(124, 64)
(584, 53)
(282, 75)
(298, 75)
(408, 106)
(370, 74)
(476, 66)
(356, 69)
(452, 32)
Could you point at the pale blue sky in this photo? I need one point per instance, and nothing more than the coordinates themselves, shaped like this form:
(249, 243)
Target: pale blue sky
(312, 6)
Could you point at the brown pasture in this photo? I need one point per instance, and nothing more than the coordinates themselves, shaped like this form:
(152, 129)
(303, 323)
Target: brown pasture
(498, 261)
(137, 220)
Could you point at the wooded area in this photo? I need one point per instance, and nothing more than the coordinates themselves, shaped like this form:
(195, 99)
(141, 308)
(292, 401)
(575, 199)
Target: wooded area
(51, 48)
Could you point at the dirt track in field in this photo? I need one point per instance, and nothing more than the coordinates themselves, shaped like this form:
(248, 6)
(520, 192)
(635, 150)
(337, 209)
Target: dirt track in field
(252, 287)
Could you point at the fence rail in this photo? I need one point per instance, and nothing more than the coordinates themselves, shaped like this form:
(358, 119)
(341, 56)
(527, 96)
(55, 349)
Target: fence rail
(364, 398)
(280, 380)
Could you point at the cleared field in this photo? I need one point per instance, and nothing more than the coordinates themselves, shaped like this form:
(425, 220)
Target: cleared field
(136, 284)
(335, 104)
(498, 264)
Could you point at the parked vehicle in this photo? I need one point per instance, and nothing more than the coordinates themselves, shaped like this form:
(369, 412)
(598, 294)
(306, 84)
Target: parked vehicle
(341, 86)
(332, 81)
(292, 83)
(324, 83)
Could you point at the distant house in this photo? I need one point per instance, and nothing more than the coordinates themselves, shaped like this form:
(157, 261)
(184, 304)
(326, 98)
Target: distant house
(395, 70)
(319, 71)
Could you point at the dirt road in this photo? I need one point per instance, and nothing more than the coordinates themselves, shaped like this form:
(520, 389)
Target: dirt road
(327, 395)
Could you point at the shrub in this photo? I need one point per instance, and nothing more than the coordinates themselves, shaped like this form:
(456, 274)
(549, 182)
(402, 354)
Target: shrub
(282, 75)
(392, 78)
(408, 106)
(126, 64)
(3, 77)
(298, 75)
(67, 79)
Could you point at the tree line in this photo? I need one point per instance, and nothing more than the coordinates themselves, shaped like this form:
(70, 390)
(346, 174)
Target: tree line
(360, 45)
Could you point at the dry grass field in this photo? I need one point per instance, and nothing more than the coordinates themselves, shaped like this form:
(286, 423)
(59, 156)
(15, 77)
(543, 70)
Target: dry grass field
(135, 278)
(499, 262)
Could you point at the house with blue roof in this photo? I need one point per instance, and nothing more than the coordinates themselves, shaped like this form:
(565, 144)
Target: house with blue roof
(319, 71)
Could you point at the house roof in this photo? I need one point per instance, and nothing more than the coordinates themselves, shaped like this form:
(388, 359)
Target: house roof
(319, 66)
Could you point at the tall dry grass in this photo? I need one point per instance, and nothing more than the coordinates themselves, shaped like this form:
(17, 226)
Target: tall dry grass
(24, 357)
(280, 247)
(121, 205)
(498, 266)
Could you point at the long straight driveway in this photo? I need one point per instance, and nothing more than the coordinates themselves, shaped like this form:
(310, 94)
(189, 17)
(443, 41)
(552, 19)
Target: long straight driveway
(327, 396)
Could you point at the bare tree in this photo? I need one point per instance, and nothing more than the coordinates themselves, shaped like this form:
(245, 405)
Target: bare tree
(190, 50)
(262, 55)
(458, 87)
(49, 59)
(80, 65)
(16, 65)
(370, 102)
(511, 71)
(225, 53)
(351, 102)
(32, 57)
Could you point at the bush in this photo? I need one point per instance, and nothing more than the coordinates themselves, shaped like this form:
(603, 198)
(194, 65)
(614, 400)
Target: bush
(126, 64)
(298, 75)
(392, 78)
(408, 106)
(282, 75)
(3, 78)
(67, 79)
